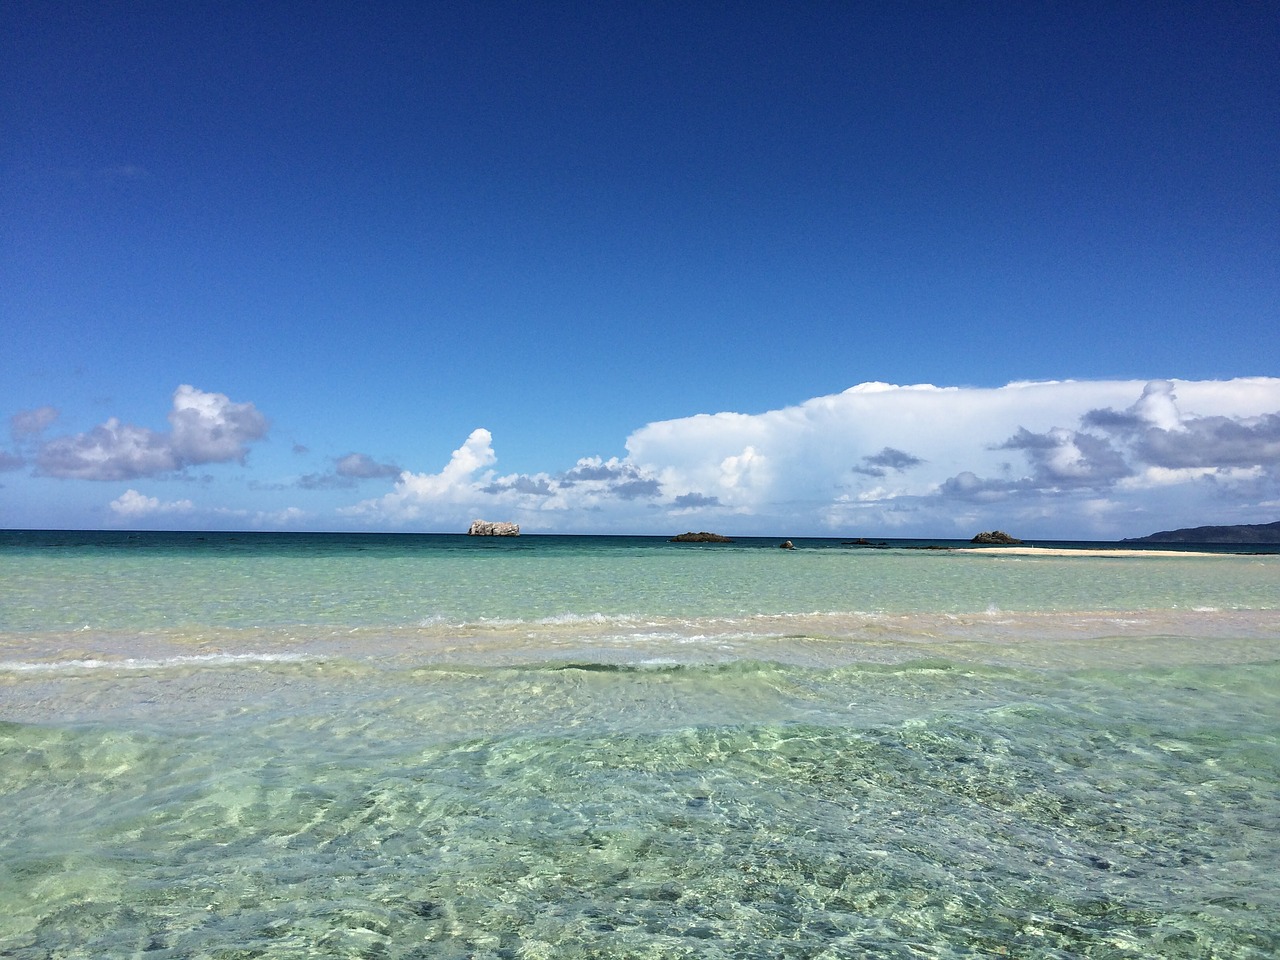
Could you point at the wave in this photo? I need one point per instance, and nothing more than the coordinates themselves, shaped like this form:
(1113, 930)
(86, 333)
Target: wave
(88, 664)
(817, 638)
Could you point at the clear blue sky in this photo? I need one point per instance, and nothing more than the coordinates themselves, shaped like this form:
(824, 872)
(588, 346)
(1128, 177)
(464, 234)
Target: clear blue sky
(373, 229)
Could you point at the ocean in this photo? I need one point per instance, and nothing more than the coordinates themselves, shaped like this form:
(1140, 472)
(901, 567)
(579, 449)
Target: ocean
(427, 746)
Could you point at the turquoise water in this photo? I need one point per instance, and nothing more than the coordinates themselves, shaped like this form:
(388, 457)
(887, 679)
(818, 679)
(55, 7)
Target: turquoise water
(303, 746)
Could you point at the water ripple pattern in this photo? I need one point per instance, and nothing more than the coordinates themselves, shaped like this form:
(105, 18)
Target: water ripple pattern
(1063, 761)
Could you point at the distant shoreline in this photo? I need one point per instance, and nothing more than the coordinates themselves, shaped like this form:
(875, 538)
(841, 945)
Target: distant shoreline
(359, 540)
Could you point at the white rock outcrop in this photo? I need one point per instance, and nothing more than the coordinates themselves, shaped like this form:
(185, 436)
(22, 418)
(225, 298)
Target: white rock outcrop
(491, 528)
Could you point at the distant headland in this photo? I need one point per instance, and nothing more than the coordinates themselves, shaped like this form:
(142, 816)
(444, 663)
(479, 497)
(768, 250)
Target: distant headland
(1239, 533)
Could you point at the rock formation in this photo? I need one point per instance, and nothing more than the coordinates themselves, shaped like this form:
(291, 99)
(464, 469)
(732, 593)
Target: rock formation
(995, 536)
(787, 545)
(702, 537)
(490, 528)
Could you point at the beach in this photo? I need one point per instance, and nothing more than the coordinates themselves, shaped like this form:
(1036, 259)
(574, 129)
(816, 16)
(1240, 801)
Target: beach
(335, 746)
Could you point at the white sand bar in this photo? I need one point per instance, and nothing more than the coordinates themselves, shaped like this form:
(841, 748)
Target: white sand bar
(1086, 552)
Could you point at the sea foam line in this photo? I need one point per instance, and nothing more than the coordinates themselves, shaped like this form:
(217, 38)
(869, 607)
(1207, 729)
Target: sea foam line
(148, 663)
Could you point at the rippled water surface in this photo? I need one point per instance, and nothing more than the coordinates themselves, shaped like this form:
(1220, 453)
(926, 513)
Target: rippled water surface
(380, 747)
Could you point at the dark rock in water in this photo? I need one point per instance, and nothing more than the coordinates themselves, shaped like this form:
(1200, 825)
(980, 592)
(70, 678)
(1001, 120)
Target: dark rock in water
(490, 528)
(702, 537)
(787, 545)
(995, 536)
(1239, 533)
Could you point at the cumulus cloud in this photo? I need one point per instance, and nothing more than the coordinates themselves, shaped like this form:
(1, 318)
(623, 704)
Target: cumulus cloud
(204, 428)
(1068, 458)
(209, 428)
(1023, 446)
(1050, 458)
(132, 504)
(467, 488)
(459, 485)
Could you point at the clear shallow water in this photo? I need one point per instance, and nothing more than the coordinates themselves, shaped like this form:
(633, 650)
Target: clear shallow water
(576, 747)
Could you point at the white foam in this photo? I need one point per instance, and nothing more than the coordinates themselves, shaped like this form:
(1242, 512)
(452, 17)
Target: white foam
(150, 663)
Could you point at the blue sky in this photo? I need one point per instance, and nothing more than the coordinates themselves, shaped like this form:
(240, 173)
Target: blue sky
(624, 267)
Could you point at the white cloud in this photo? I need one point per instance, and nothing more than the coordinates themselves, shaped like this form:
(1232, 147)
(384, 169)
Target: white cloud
(210, 428)
(204, 428)
(437, 495)
(1065, 458)
(273, 519)
(133, 504)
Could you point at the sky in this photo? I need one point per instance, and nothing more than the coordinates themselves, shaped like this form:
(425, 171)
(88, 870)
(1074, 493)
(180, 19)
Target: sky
(776, 269)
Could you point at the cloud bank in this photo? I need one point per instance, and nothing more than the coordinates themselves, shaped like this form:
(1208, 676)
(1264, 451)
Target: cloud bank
(203, 428)
(1064, 458)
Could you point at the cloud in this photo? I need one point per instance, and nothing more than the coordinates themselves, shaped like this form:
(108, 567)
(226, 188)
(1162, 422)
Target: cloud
(132, 504)
(287, 517)
(1214, 442)
(689, 501)
(30, 423)
(348, 470)
(459, 485)
(533, 486)
(968, 486)
(879, 464)
(467, 488)
(1068, 458)
(1153, 433)
(204, 428)
(1024, 444)
(25, 427)
(608, 478)
(209, 428)
(361, 466)
(1079, 458)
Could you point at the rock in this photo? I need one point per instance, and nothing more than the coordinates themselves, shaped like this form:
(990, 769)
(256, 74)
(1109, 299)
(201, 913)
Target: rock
(864, 542)
(490, 528)
(995, 536)
(787, 545)
(702, 537)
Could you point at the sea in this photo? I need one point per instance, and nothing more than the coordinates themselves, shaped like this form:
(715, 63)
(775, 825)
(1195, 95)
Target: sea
(239, 745)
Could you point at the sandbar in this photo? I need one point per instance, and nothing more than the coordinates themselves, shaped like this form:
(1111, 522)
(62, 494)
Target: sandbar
(1091, 552)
